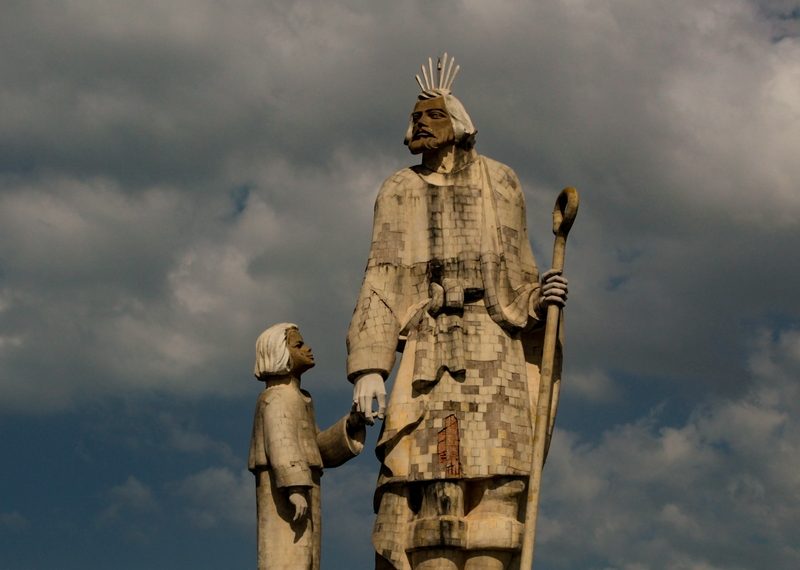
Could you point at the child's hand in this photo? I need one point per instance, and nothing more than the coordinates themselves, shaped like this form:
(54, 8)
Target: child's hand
(355, 421)
(298, 498)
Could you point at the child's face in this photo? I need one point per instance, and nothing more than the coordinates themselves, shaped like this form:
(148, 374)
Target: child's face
(299, 352)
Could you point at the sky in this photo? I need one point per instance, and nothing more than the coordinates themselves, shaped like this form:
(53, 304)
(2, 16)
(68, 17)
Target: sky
(177, 176)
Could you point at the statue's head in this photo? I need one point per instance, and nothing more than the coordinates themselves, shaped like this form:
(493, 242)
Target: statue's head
(439, 118)
(281, 350)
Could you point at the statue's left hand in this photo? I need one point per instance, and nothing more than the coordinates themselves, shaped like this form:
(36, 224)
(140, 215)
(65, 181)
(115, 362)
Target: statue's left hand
(554, 290)
(298, 499)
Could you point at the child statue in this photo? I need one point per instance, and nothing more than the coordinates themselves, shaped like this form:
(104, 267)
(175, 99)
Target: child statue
(288, 452)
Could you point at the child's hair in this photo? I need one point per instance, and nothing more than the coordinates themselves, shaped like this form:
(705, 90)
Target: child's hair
(272, 354)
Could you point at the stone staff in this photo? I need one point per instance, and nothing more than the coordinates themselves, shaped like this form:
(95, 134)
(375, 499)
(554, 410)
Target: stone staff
(564, 213)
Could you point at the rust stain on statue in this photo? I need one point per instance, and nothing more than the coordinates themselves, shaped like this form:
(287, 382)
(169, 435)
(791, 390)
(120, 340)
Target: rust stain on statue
(448, 447)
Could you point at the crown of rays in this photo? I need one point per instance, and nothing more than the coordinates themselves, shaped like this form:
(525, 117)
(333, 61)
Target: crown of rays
(440, 81)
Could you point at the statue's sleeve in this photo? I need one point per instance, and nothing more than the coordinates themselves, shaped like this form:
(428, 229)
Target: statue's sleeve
(375, 326)
(281, 418)
(530, 273)
(517, 236)
(523, 272)
(336, 445)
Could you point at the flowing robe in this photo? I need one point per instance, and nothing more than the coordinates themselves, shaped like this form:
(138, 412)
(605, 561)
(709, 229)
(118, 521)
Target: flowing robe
(450, 283)
(287, 449)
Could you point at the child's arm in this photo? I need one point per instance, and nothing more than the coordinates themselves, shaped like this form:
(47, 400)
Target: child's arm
(287, 463)
(343, 440)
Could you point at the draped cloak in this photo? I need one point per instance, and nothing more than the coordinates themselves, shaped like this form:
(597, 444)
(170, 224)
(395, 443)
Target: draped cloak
(450, 283)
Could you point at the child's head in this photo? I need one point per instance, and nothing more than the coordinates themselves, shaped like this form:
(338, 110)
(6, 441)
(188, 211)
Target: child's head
(281, 350)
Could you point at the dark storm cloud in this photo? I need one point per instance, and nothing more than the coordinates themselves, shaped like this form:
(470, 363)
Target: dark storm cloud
(138, 127)
(174, 177)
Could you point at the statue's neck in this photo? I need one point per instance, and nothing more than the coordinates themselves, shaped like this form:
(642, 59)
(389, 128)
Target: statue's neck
(283, 379)
(448, 159)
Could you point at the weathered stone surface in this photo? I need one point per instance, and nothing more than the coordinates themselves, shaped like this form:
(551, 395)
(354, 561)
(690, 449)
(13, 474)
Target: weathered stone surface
(288, 453)
(452, 285)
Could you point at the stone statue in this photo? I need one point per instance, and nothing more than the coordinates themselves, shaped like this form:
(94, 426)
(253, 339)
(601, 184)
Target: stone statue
(288, 452)
(451, 284)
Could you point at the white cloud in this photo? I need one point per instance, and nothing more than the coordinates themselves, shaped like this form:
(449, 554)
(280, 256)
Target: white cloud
(158, 295)
(72, 231)
(219, 496)
(679, 125)
(188, 439)
(719, 490)
(592, 386)
(8, 342)
(130, 497)
(14, 521)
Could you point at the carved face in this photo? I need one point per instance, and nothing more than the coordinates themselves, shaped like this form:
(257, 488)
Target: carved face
(300, 356)
(431, 126)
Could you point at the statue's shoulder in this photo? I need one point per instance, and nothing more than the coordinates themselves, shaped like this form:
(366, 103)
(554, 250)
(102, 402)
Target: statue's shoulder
(504, 178)
(399, 183)
(279, 395)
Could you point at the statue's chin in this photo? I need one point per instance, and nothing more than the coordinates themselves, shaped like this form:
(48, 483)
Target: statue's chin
(424, 144)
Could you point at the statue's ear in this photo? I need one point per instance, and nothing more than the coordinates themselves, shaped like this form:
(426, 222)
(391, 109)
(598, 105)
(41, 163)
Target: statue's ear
(409, 133)
(467, 142)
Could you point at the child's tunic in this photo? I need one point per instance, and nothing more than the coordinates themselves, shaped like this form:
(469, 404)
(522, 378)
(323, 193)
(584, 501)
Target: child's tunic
(288, 450)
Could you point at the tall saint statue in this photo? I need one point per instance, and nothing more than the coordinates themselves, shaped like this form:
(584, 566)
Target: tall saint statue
(451, 284)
